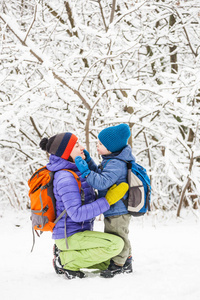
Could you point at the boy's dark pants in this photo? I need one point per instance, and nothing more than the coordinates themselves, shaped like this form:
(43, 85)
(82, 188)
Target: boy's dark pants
(119, 225)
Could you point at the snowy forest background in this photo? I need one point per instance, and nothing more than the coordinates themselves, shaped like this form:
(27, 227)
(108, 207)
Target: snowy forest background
(81, 66)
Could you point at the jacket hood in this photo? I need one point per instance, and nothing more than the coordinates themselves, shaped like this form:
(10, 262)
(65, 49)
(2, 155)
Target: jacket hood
(57, 163)
(125, 154)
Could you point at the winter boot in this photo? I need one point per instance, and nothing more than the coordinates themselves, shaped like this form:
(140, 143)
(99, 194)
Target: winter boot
(114, 269)
(128, 265)
(56, 251)
(59, 268)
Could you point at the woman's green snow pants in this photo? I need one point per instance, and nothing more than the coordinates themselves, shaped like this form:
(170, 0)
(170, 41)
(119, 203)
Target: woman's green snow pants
(89, 250)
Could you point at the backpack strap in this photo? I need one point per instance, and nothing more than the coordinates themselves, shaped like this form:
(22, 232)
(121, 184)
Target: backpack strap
(60, 216)
(79, 185)
(129, 165)
(102, 167)
(33, 232)
(76, 177)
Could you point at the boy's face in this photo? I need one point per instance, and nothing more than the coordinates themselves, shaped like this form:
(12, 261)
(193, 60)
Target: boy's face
(101, 149)
(77, 151)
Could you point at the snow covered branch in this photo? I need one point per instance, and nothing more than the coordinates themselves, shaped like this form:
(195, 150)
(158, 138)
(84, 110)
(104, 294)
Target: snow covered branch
(80, 66)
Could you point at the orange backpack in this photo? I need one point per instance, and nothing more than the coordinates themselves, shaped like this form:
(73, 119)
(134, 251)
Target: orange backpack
(43, 202)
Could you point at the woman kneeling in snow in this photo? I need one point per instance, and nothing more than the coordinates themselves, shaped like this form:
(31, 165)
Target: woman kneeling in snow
(86, 248)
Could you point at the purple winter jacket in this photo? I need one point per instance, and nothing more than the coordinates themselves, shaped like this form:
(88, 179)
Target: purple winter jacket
(79, 217)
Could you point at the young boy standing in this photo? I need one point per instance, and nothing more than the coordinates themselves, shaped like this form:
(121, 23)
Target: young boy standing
(115, 152)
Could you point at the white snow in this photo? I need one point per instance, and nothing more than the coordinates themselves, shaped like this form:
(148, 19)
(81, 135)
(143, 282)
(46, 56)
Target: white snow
(166, 253)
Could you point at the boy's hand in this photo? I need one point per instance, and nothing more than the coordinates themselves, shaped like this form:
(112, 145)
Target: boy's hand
(82, 166)
(87, 156)
(116, 192)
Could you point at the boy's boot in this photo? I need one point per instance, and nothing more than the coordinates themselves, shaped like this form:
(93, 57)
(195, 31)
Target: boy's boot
(59, 268)
(128, 265)
(114, 269)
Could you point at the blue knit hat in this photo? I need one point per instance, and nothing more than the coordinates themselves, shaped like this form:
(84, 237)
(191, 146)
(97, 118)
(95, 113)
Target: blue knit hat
(115, 138)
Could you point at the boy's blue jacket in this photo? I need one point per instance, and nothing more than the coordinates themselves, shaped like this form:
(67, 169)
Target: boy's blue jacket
(113, 170)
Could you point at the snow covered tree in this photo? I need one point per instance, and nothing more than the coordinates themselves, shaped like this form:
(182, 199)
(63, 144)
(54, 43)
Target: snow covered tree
(83, 65)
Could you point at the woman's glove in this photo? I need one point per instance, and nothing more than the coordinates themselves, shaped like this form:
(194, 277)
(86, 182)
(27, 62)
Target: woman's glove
(87, 156)
(82, 166)
(116, 192)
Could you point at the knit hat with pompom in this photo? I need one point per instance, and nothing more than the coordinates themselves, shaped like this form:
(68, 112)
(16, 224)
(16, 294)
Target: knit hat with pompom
(60, 144)
(115, 138)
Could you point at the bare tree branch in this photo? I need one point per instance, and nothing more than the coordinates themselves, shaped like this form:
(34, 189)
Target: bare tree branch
(31, 25)
(186, 33)
(35, 127)
(129, 12)
(102, 14)
(112, 11)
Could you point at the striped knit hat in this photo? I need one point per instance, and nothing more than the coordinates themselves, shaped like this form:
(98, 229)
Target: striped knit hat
(60, 144)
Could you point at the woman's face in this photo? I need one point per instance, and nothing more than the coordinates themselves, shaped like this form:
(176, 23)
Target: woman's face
(77, 151)
(101, 149)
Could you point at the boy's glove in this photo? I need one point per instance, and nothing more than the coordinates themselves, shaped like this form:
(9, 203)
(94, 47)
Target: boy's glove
(87, 156)
(116, 192)
(82, 166)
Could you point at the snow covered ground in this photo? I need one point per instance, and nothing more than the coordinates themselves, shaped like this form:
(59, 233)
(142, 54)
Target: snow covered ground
(166, 265)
